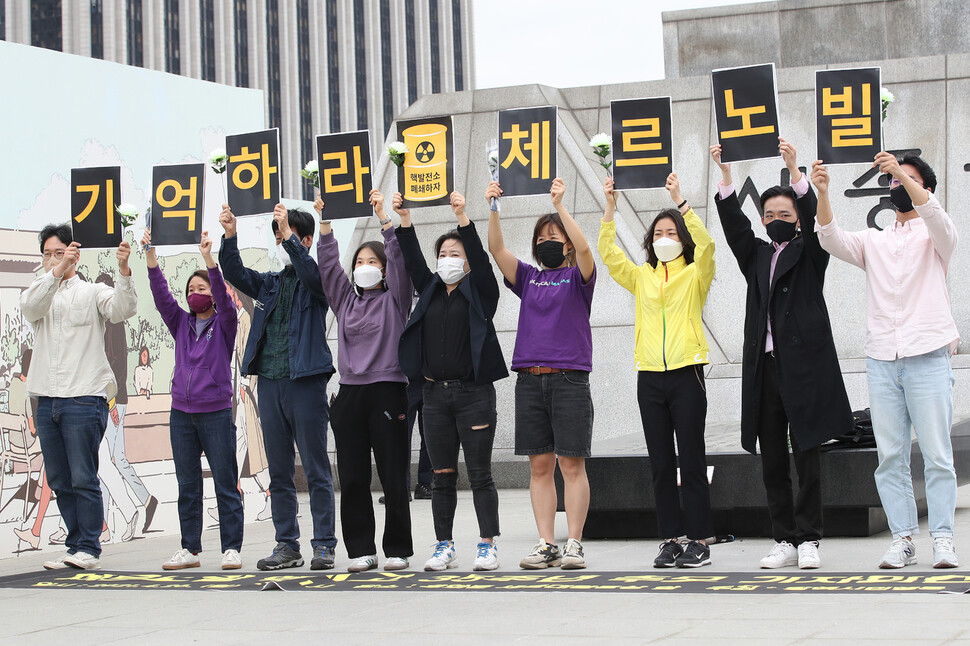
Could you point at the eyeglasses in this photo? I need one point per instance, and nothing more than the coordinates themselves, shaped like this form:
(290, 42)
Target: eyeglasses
(893, 182)
(54, 254)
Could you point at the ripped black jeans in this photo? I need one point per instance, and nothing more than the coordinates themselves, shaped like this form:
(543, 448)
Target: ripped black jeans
(461, 415)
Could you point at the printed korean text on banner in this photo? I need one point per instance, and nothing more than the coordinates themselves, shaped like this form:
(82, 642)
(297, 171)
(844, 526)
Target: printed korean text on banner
(746, 112)
(344, 174)
(642, 142)
(848, 127)
(95, 196)
(427, 176)
(177, 200)
(527, 146)
(254, 172)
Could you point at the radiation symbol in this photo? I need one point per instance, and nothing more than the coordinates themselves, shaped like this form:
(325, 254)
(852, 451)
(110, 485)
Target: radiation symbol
(424, 152)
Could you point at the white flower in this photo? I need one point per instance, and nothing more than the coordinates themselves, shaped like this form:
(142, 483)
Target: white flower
(397, 148)
(311, 166)
(218, 156)
(127, 210)
(887, 96)
(600, 140)
(493, 157)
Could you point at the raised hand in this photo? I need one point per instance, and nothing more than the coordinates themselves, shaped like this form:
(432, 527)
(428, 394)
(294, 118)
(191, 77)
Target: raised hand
(282, 219)
(673, 188)
(122, 254)
(228, 221)
(557, 191)
(69, 259)
(820, 176)
(493, 191)
(397, 203)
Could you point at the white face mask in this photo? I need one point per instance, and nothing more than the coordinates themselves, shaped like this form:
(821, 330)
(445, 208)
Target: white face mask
(284, 257)
(367, 276)
(451, 270)
(667, 249)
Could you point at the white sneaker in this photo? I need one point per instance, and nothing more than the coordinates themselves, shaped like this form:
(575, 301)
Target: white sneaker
(572, 555)
(231, 560)
(944, 556)
(58, 563)
(363, 563)
(487, 558)
(901, 553)
(181, 560)
(783, 554)
(442, 558)
(83, 561)
(808, 556)
(396, 563)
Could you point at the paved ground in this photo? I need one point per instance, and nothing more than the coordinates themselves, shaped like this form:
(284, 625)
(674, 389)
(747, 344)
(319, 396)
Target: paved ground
(79, 617)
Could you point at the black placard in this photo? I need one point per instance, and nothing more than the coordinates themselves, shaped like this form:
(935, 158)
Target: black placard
(848, 109)
(427, 177)
(527, 147)
(746, 112)
(253, 174)
(177, 204)
(95, 196)
(343, 160)
(642, 143)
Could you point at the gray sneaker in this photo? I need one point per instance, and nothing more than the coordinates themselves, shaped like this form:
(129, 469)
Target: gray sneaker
(283, 556)
(543, 555)
(323, 557)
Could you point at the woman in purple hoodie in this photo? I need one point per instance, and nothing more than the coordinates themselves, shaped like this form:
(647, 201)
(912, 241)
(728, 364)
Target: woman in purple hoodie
(201, 418)
(369, 412)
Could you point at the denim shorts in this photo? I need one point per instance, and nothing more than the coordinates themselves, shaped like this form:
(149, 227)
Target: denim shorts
(553, 414)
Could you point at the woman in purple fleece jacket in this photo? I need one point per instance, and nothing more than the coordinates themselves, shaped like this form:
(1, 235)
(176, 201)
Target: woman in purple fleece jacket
(370, 410)
(201, 418)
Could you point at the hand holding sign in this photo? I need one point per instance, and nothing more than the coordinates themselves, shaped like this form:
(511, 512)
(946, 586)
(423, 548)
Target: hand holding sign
(69, 259)
(725, 168)
(673, 187)
(282, 219)
(789, 155)
(557, 191)
(888, 164)
(397, 203)
(820, 177)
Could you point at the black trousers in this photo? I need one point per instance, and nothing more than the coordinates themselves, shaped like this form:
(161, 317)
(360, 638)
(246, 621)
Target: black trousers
(416, 414)
(365, 418)
(797, 519)
(674, 403)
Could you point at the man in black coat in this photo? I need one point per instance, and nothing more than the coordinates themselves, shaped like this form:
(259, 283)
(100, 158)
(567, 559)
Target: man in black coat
(791, 382)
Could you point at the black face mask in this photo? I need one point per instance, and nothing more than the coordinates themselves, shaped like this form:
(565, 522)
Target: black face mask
(550, 253)
(900, 199)
(780, 231)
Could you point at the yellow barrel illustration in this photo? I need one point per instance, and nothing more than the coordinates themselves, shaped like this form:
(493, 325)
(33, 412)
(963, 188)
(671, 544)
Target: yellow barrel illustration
(426, 162)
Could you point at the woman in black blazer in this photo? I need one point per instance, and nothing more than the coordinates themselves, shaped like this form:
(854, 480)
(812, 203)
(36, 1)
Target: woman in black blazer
(450, 341)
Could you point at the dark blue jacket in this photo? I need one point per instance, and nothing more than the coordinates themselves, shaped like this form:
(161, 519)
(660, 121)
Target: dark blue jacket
(480, 288)
(309, 352)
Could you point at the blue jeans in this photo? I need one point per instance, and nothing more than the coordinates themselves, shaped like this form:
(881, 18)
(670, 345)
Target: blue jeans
(70, 430)
(918, 392)
(215, 435)
(295, 410)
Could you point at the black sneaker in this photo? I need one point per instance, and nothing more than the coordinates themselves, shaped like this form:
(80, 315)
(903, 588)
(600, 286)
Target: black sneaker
(322, 558)
(283, 556)
(696, 555)
(669, 552)
(422, 491)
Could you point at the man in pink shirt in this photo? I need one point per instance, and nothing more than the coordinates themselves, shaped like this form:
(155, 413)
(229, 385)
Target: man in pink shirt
(910, 339)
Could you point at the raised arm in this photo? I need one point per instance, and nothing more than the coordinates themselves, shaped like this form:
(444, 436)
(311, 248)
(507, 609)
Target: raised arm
(303, 263)
(119, 303)
(703, 243)
(335, 283)
(414, 261)
(478, 264)
(584, 253)
(622, 269)
(220, 295)
(507, 263)
(843, 245)
(165, 303)
(242, 278)
(736, 225)
(36, 300)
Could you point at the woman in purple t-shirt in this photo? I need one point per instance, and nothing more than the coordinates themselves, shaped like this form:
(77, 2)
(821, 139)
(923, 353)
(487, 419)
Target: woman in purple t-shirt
(553, 356)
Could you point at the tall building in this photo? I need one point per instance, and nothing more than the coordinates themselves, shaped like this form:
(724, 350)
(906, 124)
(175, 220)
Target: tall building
(324, 65)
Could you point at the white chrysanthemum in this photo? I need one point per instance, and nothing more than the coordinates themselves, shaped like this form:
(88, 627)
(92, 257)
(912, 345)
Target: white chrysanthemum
(600, 140)
(127, 210)
(311, 166)
(887, 96)
(397, 148)
(218, 156)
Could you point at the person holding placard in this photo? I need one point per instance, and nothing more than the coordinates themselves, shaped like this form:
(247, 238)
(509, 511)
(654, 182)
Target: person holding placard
(671, 351)
(911, 336)
(791, 382)
(287, 349)
(369, 412)
(450, 341)
(201, 417)
(553, 356)
(73, 382)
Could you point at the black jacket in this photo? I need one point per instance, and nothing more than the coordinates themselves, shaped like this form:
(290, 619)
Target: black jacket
(810, 378)
(481, 290)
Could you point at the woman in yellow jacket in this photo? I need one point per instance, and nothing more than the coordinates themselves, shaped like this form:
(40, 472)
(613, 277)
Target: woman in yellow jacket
(671, 350)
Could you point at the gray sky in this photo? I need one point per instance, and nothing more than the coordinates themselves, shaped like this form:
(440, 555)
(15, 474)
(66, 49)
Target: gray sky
(587, 42)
